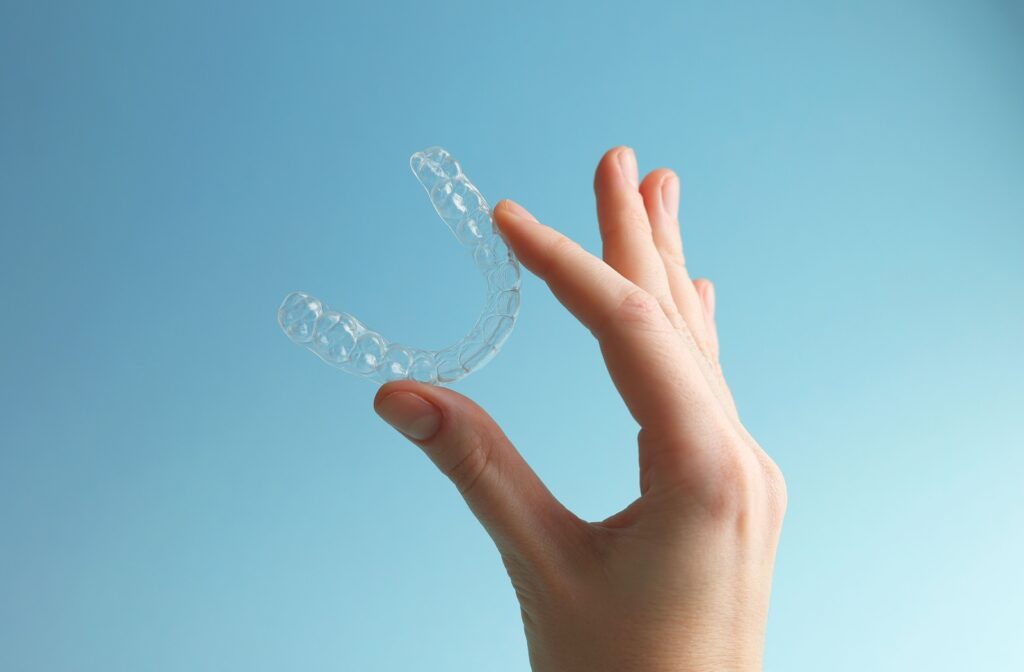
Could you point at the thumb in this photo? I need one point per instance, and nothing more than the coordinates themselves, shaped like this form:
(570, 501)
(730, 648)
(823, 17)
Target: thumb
(514, 506)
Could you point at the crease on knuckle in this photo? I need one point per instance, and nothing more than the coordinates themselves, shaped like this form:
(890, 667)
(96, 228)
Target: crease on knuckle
(671, 311)
(640, 308)
(672, 255)
(467, 472)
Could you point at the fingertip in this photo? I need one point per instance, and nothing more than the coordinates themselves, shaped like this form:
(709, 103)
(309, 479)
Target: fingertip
(670, 195)
(507, 210)
(396, 386)
(611, 156)
(415, 415)
(660, 190)
(706, 292)
(616, 165)
(446, 399)
(505, 205)
(654, 179)
(518, 228)
(383, 391)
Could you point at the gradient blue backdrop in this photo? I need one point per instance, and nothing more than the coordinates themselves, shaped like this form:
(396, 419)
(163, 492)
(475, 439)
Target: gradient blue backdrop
(183, 489)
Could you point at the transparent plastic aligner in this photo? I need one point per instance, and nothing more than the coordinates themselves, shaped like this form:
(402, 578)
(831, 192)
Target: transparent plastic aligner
(344, 342)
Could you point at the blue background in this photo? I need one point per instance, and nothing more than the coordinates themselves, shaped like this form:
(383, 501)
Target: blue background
(183, 489)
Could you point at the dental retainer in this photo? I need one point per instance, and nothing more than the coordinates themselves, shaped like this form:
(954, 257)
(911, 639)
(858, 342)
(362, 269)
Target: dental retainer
(344, 342)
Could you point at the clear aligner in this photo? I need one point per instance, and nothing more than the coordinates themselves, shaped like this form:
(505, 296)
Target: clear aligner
(343, 341)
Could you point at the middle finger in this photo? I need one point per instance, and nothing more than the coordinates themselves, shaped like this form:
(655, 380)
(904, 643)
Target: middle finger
(627, 242)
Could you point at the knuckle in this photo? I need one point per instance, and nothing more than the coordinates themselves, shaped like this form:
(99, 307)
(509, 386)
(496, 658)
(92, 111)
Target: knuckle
(748, 491)
(672, 255)
(467, 472)
(731, 494)
(639, 307)
(778, 496)
(741, 491)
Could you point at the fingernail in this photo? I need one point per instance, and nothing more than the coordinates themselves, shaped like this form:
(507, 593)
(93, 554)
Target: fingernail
(627, 164)
(513, 208)
(410, 414)
(670, 196)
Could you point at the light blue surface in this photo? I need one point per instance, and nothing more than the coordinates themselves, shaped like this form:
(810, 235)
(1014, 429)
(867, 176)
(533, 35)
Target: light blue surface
(181, 488)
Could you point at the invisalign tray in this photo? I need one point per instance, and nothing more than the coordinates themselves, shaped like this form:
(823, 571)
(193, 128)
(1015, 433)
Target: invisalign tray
(343, 341)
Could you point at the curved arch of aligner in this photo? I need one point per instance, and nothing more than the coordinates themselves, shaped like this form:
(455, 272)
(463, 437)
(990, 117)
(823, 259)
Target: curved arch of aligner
(344, 342)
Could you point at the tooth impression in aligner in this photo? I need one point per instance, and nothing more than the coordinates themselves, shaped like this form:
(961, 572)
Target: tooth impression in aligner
(344, 342)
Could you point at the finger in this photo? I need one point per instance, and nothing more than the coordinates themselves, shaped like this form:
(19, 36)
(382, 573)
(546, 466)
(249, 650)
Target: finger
(706, 290)
(517, 510)
(660, 382)
(627, 244)
(660, 191)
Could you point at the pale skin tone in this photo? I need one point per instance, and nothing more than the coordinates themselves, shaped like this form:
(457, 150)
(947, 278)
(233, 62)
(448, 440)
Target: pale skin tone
(679, 580)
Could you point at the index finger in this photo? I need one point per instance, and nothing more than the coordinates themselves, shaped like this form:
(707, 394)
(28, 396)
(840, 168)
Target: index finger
(654, 371)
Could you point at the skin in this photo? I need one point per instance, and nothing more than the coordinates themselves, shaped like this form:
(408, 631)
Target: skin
(680, 579)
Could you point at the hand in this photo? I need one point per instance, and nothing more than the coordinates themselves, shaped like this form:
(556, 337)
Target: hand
(680, 579)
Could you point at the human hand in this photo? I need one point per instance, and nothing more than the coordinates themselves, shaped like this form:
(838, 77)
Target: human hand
(680, 579)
